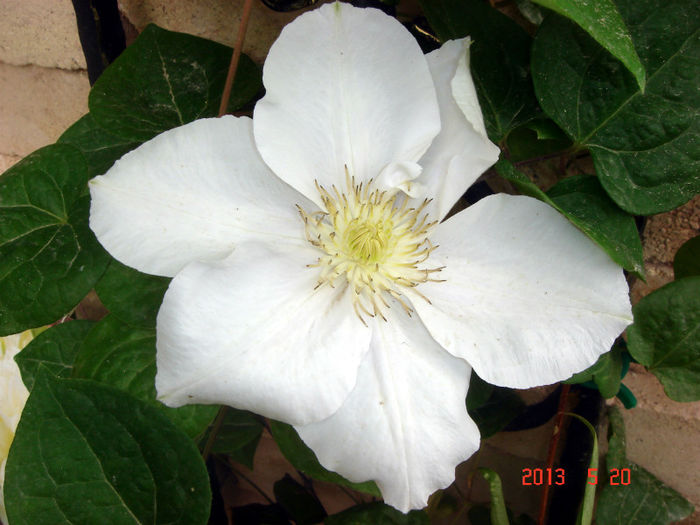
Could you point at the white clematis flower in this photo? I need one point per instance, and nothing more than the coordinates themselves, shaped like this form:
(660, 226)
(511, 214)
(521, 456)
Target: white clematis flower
(313, 282)
(13, 396)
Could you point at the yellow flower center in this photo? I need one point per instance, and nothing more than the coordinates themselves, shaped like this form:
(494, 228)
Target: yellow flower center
(370, 243)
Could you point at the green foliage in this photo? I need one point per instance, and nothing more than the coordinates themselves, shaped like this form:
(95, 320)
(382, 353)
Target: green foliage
(298, 501)
(238, 436)
(645, 146)
(500, 409)
(124, 356)
(164, 80)
(49, 258)
(88, 453)
(55, 350)
(499, 60)
(303, 458)
(132, 296)
(499, 515)
(646, 500)
(686, 263)
(377, 514)
(602, 20)
(606, 373)
(582, 200)
(99, 147)
(665, 337)
(585, 515)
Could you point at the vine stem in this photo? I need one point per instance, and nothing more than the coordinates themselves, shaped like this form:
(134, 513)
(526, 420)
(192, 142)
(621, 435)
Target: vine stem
(235, 58)
(553, 442)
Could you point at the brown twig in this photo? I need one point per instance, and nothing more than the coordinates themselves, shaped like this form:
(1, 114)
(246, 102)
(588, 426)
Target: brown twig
(553, 442)
(235, 58)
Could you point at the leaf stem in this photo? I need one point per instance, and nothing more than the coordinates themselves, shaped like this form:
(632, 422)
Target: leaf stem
(553, 449)
(235, 58)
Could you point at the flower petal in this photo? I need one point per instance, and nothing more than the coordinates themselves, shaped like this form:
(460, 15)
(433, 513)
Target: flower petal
(251, 331)
(405, 425)
(528, 299)
(189, 194)
(462, 151)
(345, 87)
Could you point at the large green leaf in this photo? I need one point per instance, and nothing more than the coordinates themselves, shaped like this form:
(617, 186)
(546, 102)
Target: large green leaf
(49, 258)
(303, 458)
(686, 263)
(99, 147)
(55, 349)
(377, 514)
(646, 146)
(166, 79)
(500, 57)
(87, 453)
(602, 20)
(665, 337)
(582, 200)
(124, 356)
(132, 296)
(645, 500)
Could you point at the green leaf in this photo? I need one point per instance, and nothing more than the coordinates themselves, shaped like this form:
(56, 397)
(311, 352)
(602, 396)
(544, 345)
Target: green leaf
(88, 453)
(132, 296)
(617, 440)
(377, 514)
(602, 20)
(585, 516)
(99, 147)
(501, 408)
(479, 392)
(582, 200)
(303, 458)
(686, 263)
(665, 337)
(645, 146)
(645, 500)
(166, 79)
(49, 258)
(300, 503)
(238, 436)
(499, 515)
(531, 142)
(606, 372)
(55, 349)
(500, 57)
(124, 356)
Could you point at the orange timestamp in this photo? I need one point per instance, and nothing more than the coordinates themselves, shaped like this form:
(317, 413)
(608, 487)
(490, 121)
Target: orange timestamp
(552, 476)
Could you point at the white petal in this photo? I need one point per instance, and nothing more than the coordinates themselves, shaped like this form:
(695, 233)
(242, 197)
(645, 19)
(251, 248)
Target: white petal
(192, 193)
(528, 299)
(251, 332)
(462, 151)
(345, 87)
(405, 425)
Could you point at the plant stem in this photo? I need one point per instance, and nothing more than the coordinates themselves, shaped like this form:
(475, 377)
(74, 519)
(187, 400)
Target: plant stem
(553, 449)
(235, 58)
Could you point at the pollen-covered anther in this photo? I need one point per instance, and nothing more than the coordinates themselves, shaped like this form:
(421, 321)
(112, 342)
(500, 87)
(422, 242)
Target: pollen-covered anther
(370, 244)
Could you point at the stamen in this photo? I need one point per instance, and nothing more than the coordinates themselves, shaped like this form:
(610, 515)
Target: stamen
(374, 244)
